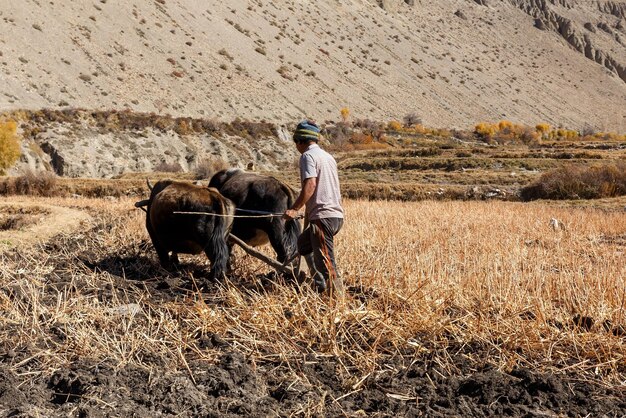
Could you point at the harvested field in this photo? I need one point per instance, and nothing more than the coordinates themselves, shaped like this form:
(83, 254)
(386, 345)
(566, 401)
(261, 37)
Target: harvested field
(453, 309)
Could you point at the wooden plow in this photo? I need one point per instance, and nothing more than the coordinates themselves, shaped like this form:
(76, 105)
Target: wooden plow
(280, 267)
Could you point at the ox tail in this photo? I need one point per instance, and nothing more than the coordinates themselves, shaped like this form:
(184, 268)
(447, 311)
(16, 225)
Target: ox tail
(148, 183)
(217, 250)
(142, 203)
(292, 227)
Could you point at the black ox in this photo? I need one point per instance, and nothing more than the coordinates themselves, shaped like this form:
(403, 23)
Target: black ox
(189, 233)
(253, 193)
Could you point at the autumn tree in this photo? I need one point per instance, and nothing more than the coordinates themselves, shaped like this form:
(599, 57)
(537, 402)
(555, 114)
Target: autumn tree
(9, 145)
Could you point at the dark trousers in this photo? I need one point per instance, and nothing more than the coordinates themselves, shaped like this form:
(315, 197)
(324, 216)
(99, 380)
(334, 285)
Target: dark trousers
(317, 239)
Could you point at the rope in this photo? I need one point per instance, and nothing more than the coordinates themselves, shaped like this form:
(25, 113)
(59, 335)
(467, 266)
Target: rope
(269, 215)
(273, 215)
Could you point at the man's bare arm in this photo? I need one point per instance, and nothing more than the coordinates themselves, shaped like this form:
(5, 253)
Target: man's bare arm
(308, 188)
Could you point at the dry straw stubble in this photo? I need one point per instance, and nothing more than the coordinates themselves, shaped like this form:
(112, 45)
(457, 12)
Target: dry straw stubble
(422, 276)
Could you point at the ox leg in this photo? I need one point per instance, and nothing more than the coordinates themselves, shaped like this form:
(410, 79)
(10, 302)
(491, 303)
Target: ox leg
(163, 254)
(164, 259)
(277, 240)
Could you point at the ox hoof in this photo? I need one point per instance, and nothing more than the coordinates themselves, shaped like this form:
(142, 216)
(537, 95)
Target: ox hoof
(319, 284)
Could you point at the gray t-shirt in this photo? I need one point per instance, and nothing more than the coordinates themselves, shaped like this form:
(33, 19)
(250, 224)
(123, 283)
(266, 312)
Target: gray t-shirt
(326, 200)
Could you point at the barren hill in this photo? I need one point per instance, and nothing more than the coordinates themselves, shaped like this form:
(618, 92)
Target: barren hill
(454, 62)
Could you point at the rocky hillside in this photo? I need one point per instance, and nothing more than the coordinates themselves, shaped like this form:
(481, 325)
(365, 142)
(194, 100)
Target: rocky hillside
(453, 62)
(79, 143)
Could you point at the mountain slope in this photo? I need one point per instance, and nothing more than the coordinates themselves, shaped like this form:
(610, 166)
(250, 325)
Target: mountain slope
(454, 62)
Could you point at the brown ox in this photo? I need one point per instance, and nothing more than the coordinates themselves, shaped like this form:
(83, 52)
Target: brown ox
(189, 233)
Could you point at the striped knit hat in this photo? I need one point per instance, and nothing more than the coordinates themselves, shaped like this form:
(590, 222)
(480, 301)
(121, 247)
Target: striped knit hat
(306, 131)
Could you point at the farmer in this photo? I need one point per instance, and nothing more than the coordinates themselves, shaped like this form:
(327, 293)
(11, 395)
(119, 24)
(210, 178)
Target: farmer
(323, 215)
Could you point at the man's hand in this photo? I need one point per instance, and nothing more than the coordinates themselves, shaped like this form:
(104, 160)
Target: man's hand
(290, 214)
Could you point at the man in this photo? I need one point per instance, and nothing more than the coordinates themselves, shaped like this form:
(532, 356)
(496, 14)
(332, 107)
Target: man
(324, 215)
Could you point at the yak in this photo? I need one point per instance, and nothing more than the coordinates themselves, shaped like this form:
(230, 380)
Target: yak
(257, 198)
(189, 233)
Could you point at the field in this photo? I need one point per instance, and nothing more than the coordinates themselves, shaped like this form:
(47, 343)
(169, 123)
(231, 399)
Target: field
(454, 307)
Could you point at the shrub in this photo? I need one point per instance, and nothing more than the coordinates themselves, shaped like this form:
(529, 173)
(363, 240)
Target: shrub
(207, 167)
(37, 183)
(529, 136)
(563, 134)
(183, 126)
(579, 182)
(165, 167)
(543, 128)
(394, 125)
(345, 114)
(361, 138)
(485, 130)
(441, 133)
(418, 128)
(337, 134)
(367, 125)
(412, 119)
(505, 126)
(9, 145)
(506, 131)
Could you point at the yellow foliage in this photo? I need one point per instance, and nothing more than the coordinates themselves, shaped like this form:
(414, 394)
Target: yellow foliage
(506, 131)
(9, 145)
(419, 128)
(610, 136)
(361, 138)
(486, 130)
(564, 134)
(505, 125)
(345, 114)
(394, 125)
(442, 133)
(543, 128)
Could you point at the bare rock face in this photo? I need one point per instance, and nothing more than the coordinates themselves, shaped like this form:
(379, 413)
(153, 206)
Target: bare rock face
(589, 26)
(459, 13)
(550, 15)
(614, 8)
(78, 147)
(540, 24)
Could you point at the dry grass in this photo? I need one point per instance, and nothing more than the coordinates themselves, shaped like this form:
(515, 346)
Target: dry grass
(36, 183)
(422, 276)
(579, 182)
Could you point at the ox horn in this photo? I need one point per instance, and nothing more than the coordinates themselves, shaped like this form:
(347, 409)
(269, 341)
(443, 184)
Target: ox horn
(142, 203)
(148, 183)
